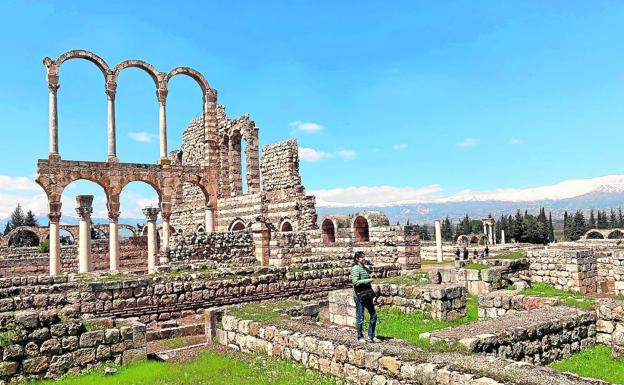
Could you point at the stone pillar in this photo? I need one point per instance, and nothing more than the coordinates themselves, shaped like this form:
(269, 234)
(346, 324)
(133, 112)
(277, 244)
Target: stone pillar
(224, 174)
(53, 118)
(113, 241)
(151, 213)
(236, 182)
(112, 136)
(161, 93)
(84, 211)
(165, 231)
(503, 237)
(493, 234)
(252, 159)
(209, 225)
(438, 237)
(55, 244)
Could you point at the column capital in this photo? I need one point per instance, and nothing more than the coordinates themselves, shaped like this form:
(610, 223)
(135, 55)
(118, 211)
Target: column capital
(166, 215)
(84, 213)
(161, 94)
(151, 213)
(54, 217)
(113, 216)
(53, 87)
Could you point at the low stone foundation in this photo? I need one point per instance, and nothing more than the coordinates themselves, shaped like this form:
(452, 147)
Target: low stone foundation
(498, 303)
(46, 345)
(540, 336)
(475, 281)
(444, 302)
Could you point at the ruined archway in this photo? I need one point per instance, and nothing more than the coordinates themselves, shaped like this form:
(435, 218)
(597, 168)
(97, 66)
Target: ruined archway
(616, 234)
(594, 235)
(360, 229)
(286, 226)
(238, 225)
(329, 231)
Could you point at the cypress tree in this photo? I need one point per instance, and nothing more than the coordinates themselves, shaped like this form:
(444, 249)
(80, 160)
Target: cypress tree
(592, 220)
(551, 228)
(613, 220)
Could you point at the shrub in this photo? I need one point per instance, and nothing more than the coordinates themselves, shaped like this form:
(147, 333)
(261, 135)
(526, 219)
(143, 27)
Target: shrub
(44, 246)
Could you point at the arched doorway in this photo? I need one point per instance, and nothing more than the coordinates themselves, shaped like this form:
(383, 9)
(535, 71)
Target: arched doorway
(329, 231)
(361, 229)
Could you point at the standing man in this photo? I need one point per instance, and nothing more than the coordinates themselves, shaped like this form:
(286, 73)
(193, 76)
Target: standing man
(363, 295)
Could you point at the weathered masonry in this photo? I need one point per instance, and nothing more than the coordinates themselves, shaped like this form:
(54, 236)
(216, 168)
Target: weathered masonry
(201, 188)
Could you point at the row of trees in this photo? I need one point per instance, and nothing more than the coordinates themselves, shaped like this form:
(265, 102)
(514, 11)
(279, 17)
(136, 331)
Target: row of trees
(575, 225)
(519, 227)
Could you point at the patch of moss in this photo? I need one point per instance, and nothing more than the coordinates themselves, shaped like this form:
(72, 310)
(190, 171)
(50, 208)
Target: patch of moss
(568, 298)
(477, 266)
(266, 312)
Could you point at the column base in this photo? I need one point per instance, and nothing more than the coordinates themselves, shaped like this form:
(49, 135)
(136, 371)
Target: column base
(54, 157)
(112, 159)
(164, 161)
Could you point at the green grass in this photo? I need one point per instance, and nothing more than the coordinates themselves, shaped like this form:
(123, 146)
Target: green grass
(594, 362)
(510, 255)
(395, 323)
(209, 368)
(429, 262)
(263, 312)
(173, 343)
(620, 297)
(476, 266)
(414, 279)
(569, 298)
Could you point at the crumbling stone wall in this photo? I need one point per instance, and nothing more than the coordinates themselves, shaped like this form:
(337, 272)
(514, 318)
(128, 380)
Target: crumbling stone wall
(236, 248)
(498, 303)
(496, 277)
(27, 261)
(540, 336)
(444, 302)
(45, 345)
(162, 297)
(574, 270)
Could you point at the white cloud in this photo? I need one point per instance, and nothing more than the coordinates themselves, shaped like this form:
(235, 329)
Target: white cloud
(373, 195)
(375, 150)
(311, 155)
(305, 127)
(308, 154)
(346, 154)
(468, 142)
(400, 147)
(515, 141)
(14, 183)
(142, 136)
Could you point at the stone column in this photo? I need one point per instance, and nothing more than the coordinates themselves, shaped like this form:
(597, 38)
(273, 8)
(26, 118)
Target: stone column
(151, 213)
(252, 160)
(113, 241)
(224, 175)
(53, 118)
(165, 231)
(493, 234)
(503, 237)
(84, 211)
(162, 121)
(438, 237)
(112, 136)
(55, 244)
(209, 225)
(236, 181)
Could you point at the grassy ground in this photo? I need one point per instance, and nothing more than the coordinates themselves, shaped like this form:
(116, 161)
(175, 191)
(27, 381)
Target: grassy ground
(568, 298)
(429, 262)
(267, 312)
(173, 343)
(415, 278)
(477, 266)
(510, 255)
(397, 324)
(209, 368)
(595, 362)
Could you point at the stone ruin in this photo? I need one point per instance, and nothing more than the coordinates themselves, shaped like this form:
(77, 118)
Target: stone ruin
(226, 240)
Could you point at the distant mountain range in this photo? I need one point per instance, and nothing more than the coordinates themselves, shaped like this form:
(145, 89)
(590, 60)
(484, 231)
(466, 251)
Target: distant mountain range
(581, 194)
(419, 207)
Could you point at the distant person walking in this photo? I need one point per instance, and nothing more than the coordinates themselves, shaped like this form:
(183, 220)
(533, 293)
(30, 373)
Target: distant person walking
(457, 252)
(465, 253)
(487, 251)
(363, 295)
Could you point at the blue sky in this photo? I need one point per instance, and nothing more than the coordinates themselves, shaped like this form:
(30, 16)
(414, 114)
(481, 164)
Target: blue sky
(457, 95)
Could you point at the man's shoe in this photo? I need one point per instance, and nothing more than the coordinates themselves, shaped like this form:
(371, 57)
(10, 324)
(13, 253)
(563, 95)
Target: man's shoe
(374, 340)
(361, 340)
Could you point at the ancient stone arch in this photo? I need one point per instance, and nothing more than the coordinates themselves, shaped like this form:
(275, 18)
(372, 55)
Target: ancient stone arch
(602, 233)
(616, 234)
(156, 76)
(238, 225)
(39, 232)
(360, 229)
(286, 225)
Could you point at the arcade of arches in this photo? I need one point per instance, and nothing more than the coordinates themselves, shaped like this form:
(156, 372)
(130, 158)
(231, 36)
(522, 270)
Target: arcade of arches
(199, 185)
